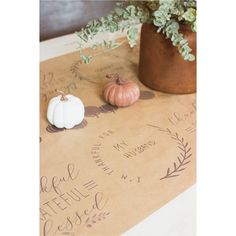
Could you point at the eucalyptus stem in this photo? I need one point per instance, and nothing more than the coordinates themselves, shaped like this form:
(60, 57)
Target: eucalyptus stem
(166, 15)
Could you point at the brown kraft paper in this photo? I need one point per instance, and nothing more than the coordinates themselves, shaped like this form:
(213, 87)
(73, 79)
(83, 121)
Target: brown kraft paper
(120, 164)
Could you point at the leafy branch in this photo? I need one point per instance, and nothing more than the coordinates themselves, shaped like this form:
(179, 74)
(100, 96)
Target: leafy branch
(182, 159)
(166, 15)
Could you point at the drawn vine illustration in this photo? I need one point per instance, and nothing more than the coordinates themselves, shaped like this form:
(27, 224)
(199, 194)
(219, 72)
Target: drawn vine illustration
(75, 71)
(96, 218)
(183, 159)
(74, 68)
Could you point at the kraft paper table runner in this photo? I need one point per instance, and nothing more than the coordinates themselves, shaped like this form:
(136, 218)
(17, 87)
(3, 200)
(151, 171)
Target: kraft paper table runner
(119, 165)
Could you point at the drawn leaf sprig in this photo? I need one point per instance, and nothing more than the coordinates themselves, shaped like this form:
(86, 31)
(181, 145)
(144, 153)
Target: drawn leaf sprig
(74, 69)
(96, 218)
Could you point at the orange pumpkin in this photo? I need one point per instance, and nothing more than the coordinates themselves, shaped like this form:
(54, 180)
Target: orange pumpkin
(120, 92)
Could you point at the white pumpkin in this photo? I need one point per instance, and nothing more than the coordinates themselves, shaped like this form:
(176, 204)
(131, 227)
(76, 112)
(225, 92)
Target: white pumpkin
(65, 111)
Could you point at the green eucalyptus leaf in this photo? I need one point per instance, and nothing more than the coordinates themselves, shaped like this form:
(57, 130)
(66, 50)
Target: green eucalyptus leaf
(190, 15)
(85, 59)
(132, 36)
(194, 26)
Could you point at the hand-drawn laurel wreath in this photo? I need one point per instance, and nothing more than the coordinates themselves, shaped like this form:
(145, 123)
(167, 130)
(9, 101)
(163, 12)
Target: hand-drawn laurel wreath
(183, 157)
(95, 218)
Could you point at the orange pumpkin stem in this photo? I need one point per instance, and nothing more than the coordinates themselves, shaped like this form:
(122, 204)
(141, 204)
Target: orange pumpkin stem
(119, 80)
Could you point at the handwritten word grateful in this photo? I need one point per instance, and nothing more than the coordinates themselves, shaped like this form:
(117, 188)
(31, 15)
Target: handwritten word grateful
(61, 202)
(55, 183)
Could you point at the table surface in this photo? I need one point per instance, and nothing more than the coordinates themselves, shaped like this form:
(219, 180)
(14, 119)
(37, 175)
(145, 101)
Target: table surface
(178, 217)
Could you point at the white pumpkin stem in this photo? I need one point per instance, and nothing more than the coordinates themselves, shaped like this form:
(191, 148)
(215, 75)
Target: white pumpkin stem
(63, 95)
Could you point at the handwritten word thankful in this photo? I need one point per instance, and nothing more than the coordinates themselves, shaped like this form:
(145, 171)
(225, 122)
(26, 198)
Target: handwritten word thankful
(176, 118)
(95, 151)
(54, 184)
